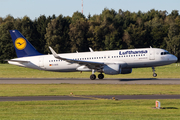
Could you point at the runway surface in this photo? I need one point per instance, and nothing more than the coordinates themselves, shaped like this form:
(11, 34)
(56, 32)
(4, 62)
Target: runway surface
(42, 98)
(117, 97)
(88, 81)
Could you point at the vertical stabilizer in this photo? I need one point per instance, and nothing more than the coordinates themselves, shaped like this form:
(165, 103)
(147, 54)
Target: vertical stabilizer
(22, 46)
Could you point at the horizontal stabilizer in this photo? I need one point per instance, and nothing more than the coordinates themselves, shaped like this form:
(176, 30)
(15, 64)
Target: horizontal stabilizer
(20, 61)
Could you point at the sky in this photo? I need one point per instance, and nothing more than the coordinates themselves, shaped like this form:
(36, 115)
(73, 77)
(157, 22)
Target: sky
(35, 8)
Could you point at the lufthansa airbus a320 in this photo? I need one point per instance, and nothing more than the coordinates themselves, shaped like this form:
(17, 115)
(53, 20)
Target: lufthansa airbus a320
(108, 62)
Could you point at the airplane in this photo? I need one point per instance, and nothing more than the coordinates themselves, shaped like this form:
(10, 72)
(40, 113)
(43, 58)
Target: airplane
(110, 62)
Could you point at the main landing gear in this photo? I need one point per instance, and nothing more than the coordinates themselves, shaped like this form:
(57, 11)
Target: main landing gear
(101, 76)
(93, 76)
(154, 74)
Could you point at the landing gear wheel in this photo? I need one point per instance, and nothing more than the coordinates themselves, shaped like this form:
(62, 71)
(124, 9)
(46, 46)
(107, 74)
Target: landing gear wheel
(100, 76)
(93, 77)
(154, 74)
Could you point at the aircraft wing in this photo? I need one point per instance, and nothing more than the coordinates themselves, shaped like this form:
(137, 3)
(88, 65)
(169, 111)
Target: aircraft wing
(89, 64)
(20, 61)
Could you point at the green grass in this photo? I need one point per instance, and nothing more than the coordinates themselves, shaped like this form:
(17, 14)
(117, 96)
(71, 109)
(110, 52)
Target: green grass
(87, 89)
(10, 71)
(90, 110)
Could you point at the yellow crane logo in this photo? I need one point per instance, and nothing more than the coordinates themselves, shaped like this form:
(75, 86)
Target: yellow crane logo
(20, 43)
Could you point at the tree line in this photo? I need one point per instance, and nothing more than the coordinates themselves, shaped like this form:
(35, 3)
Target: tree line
(110, 30)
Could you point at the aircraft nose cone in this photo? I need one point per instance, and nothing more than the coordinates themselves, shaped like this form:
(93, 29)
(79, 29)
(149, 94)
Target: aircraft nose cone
(174, 58)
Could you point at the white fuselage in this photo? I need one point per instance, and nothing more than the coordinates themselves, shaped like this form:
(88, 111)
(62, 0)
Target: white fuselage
(134, 58)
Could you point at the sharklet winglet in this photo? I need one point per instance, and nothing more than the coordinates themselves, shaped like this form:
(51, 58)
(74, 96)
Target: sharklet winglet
(54, 53)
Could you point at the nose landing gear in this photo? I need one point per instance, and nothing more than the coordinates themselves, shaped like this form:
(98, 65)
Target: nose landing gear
(154, 74)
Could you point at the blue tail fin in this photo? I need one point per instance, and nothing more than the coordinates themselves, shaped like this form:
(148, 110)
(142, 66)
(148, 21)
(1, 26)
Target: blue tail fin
(22, 46)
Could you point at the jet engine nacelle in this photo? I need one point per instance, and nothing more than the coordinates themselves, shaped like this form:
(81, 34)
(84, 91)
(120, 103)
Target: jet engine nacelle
(113, 69)
(125, 70)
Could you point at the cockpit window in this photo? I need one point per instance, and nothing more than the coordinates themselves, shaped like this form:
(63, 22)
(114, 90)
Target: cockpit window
(164, 53)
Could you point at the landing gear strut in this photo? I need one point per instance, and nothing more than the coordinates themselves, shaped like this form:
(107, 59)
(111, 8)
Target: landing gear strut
(154, 74)
(93, 76)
